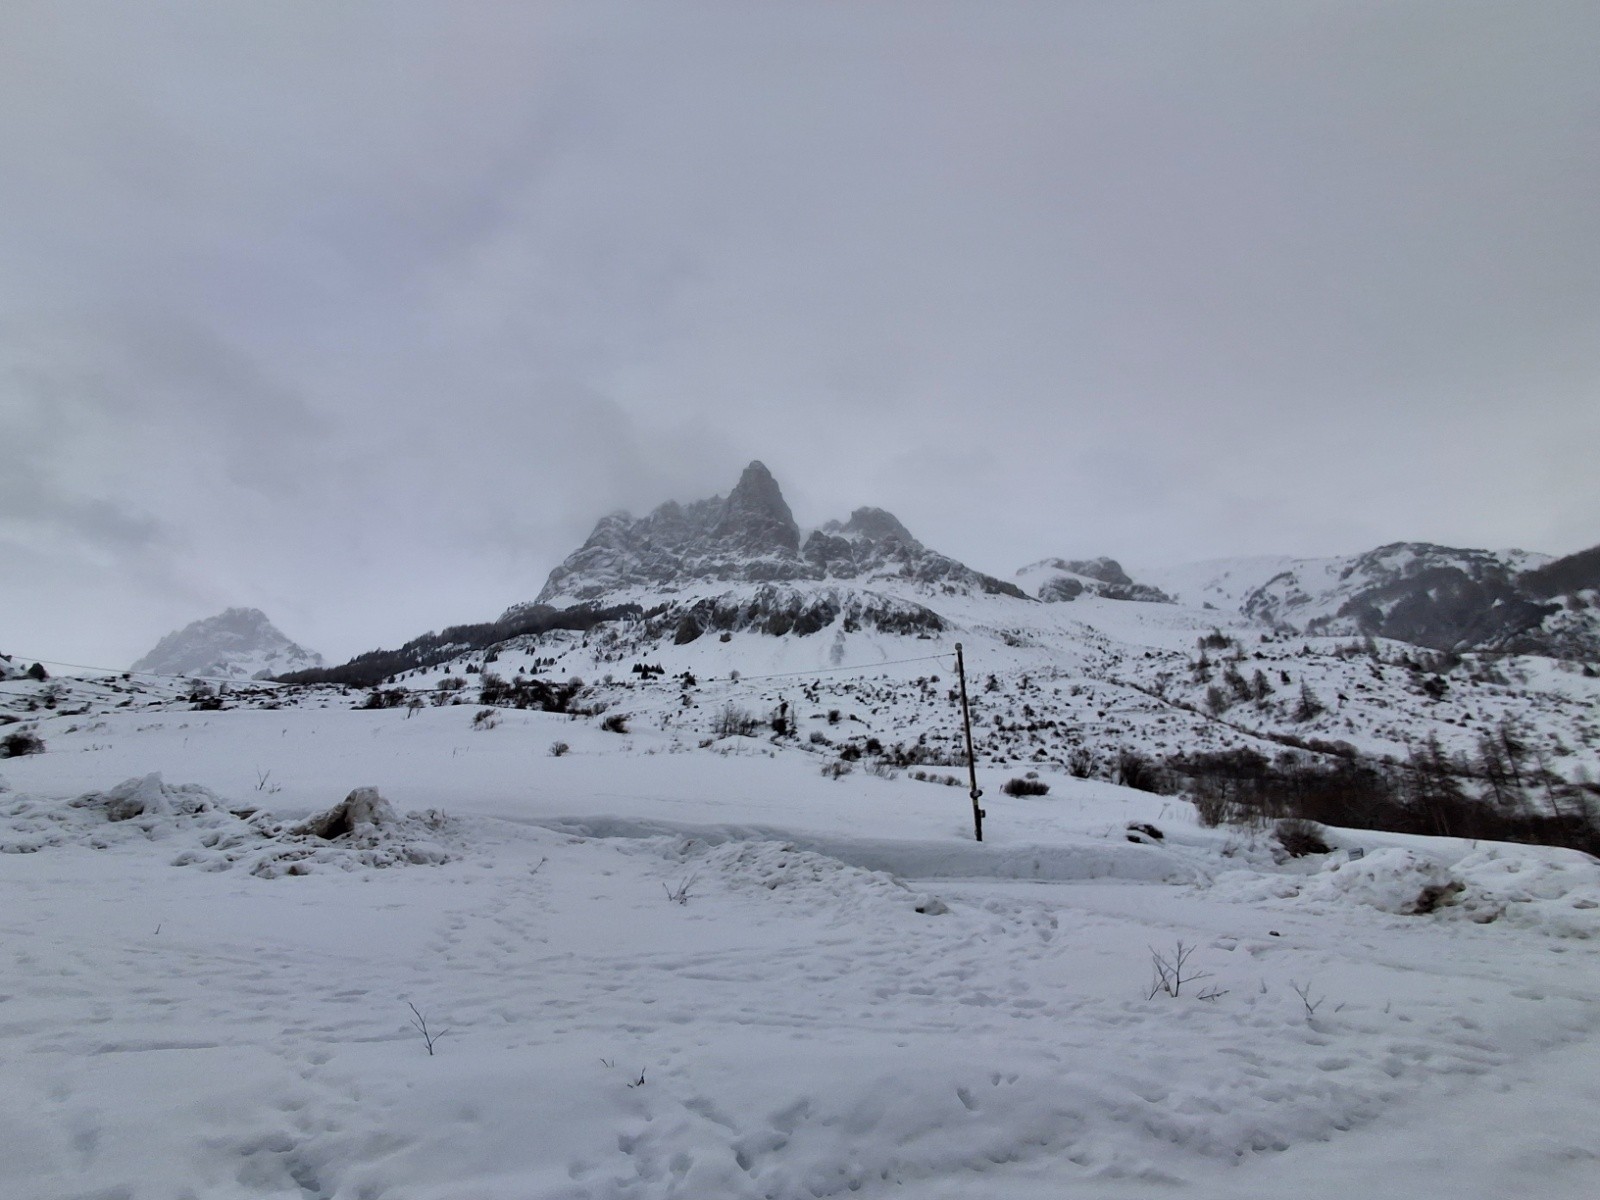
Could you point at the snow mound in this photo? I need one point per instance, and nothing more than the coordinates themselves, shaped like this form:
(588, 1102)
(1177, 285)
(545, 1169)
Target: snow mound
(1546, 889)
(796, 875)
(1392, 880)
(1086, 859)
(1543, 887)
(361, 831)
(148, 796)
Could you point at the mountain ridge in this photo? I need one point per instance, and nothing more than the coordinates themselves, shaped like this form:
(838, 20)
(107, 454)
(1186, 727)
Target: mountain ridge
(751, 537)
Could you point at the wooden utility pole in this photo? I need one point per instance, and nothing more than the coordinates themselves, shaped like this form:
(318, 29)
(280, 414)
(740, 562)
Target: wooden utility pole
(972, 766)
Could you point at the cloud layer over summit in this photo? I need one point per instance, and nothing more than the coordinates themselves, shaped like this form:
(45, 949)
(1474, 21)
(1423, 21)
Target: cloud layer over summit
(363, 313)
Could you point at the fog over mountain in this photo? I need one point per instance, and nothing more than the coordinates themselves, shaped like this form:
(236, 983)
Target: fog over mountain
(240, 643)
(361, 315)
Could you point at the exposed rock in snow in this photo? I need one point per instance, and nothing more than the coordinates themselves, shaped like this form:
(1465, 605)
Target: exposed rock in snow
(148, 796)
(362, 815)
(237, 644)
(1057, 579)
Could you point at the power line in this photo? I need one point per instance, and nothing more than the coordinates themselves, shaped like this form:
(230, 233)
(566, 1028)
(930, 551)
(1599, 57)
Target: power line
(50, 662)
(888, 662)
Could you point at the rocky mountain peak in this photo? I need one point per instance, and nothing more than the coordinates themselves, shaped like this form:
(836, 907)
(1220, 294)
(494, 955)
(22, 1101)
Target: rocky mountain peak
(755, 517)
(876, 525)
(749, 537)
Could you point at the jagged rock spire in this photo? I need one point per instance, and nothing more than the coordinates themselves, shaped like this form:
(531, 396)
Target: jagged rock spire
(755, 518)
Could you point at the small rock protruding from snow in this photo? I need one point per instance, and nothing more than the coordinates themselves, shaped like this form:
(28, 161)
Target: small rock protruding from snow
(363, 815)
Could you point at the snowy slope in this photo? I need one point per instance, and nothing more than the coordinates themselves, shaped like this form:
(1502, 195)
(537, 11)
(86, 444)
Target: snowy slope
(1223, 583)
(1439, 597)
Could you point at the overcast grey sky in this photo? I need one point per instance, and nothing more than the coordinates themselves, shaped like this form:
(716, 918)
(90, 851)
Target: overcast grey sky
(363, 313)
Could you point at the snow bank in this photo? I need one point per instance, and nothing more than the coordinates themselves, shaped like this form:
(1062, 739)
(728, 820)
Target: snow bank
(1547, 889)
(795, 875)
(1392, 880)
(362, 831)
(1543, 887)
(1084, 859)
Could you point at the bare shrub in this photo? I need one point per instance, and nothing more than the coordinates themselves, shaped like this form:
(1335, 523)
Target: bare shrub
(1210, 807)
(1134, 770)
(485, 718)
(1025, 787)
(1300, 837)
(615, 723)
(420, 1024)
(1170, 972)
(23, 741)
(557, 749)
(733, 721)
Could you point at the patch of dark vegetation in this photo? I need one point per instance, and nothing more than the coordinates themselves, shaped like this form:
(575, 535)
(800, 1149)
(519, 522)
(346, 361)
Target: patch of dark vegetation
(378, 666)
(21, 742)
(1136, 771)
(1300, 837)
(528, 692)
(1503, 793)
(1025, 787)
(776, 611)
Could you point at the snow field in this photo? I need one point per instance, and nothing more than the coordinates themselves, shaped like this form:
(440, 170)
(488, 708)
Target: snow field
(800, 1027)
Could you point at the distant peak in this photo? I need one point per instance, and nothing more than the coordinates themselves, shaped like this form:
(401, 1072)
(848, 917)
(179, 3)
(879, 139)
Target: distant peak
(877, 524)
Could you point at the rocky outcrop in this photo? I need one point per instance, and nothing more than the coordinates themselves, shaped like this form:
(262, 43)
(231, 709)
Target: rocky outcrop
(1062, 579)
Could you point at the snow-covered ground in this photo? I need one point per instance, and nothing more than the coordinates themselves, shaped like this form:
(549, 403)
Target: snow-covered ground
(668, 970)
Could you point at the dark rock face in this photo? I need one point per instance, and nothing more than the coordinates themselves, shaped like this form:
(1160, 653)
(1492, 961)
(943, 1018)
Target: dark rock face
(1096, 576)
(756, 521)
(751, 537)
(237, 644)
(1106, 570)
(779, 609)
(1061, 588)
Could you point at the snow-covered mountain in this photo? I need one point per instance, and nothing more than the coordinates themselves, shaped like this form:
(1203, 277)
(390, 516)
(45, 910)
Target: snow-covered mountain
(1058, 579)
(729, 590)
(739, 562)
(1440, 597)
(237, 644)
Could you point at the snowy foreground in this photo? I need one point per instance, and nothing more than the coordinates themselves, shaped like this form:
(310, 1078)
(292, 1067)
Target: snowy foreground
(666, 971)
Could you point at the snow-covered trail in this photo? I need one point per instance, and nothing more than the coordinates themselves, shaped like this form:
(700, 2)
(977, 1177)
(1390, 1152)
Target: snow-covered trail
(800, 1029)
